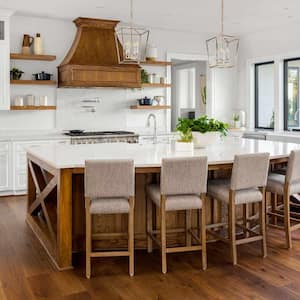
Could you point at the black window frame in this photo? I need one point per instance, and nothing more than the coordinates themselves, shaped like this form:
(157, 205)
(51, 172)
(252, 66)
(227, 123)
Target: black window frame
(285, 90)
(256, 104)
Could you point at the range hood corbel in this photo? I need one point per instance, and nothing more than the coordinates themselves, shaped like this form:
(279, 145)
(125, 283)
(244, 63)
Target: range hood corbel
(93, 58)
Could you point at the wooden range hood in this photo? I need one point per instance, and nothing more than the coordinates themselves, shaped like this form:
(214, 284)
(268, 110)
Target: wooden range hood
(93, 60)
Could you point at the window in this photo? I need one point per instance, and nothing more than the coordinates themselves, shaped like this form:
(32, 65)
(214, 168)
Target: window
(291, 94)
(264, 95)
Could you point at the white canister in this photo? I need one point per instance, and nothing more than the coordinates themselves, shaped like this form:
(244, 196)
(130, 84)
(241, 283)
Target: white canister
(43, 100)
(30, 100)
(38, 45)
(19, 101)
(151, 53)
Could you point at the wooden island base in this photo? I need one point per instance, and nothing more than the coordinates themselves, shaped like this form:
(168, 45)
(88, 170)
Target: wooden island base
(56, 213)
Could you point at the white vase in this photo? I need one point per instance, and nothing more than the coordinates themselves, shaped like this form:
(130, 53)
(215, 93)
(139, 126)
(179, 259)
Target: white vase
(178, 146)
(202, 140)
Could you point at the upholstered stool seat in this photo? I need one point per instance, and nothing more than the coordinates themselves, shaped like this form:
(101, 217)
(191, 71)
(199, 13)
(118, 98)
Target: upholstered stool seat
(183, 184)
(247, 185)
(285, 185)
(276, 184)
(109, 189)
(109, 206)
(220, 189)
(174, 202)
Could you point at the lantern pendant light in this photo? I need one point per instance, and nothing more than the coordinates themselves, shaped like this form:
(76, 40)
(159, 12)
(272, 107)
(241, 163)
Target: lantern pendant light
(134, 41)
(222, 49)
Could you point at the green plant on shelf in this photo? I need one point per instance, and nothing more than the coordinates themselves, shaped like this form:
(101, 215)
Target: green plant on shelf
(16, 74)
(236, 117)
(144, 76)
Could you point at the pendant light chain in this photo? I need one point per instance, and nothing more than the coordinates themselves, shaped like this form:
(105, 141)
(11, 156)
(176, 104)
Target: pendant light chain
(222, 17)
(131, 13)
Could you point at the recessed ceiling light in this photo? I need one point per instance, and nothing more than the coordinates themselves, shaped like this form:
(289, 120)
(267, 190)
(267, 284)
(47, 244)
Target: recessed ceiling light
(100, 6)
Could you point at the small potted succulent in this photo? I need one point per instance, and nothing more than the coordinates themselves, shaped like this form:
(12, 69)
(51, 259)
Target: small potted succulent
(185, 142)
(236, 121)
(16, 74)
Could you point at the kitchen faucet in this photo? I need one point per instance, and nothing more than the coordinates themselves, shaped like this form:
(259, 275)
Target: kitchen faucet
(155, 127)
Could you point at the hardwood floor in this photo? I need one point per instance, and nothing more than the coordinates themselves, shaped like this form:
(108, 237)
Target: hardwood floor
(27, 273)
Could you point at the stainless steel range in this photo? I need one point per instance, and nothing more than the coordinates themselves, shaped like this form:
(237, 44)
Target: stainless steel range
(95, 137)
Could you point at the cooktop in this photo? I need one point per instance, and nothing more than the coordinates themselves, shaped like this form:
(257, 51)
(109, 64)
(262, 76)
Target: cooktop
(98, 133)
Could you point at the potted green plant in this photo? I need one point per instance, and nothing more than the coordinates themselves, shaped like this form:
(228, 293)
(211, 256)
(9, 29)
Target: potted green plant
(185, 142)
(236, 120)
(144, 76)
(205, 131)
(15, 74)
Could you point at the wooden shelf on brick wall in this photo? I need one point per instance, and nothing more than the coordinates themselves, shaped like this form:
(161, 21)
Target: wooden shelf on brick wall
(155, 85)
(32, 57)
(34, 82)
(156, 63)
(48, 107)
(150, 107)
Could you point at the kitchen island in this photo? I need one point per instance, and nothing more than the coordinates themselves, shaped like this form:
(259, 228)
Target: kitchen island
(55, 210)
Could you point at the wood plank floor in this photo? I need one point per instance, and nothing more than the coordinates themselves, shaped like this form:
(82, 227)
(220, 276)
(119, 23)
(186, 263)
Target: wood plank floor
(27, 273)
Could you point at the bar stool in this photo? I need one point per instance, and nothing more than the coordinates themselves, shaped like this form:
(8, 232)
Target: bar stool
(247, 185)
(285, 186)
(182, 187)
(109, 189)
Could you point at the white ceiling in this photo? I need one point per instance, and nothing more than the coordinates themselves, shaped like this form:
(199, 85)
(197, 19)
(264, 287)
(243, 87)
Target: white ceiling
(241, 16)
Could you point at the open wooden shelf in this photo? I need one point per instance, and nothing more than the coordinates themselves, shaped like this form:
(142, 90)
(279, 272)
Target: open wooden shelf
(49, 107)
(164, 85)
(156, 63)
(32, 57)
(35, 82)
(150, 107)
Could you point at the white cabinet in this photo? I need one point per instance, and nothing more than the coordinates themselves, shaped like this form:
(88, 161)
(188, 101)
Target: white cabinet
(5, 166)
(4, 60)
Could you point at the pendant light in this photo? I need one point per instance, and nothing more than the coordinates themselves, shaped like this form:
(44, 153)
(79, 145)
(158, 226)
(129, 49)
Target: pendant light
(222, 49)
(134, 41)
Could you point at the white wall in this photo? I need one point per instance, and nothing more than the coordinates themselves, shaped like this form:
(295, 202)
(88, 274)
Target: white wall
(58, 36)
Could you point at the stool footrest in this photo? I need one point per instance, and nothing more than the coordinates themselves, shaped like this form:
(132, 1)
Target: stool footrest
(109, 254)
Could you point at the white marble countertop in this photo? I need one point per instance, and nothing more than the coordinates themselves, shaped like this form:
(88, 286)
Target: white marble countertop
(149, 155)
(29, 135)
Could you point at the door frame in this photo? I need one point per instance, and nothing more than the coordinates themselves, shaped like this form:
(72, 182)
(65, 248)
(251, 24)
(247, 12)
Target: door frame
(187, 57)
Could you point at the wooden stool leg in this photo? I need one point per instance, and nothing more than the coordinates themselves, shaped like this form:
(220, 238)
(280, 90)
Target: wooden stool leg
(149, 224)
(262, 220)
(287, 221)
(232, 237)
(245, 219)
(88, 238)
(131, 236)
(163, 234)
(188, 226)
(203, 232)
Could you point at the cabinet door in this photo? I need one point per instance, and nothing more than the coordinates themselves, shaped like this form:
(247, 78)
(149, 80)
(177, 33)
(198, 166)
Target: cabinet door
(4, 171)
